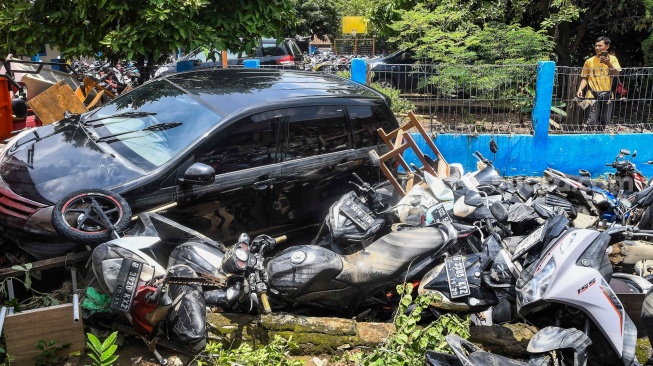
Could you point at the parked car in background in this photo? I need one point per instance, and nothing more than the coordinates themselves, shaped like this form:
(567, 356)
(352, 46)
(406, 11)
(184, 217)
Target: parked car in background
(237, 150)
(270, 52)
(201, 60)
(284, 53)
(402, 70)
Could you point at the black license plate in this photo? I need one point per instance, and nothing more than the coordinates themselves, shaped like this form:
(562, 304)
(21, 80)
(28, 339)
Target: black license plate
(440, 214)
(528, 242)
(126, 285)
(356, 214)
(457, 276)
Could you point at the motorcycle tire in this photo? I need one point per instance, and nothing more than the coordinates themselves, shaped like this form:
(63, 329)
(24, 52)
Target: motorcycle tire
(646, 221)
(75, 215)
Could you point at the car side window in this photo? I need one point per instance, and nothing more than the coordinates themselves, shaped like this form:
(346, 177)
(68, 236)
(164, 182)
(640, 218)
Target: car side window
(247, 143)
(314, 131)
(365, 121)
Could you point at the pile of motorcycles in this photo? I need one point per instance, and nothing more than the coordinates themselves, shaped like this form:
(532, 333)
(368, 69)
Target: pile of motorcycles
(112, 77)
(552, 251)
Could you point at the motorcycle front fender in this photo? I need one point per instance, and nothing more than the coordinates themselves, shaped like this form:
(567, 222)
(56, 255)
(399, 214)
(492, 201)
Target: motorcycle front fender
(553, 338)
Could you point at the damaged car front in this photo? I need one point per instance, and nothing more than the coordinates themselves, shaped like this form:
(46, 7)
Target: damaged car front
(120, 147)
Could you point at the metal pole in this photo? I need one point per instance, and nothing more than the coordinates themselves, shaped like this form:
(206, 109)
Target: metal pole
(73, 273)
(10, 292)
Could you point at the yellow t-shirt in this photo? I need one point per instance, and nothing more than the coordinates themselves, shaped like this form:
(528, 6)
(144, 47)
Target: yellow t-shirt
(596, 72)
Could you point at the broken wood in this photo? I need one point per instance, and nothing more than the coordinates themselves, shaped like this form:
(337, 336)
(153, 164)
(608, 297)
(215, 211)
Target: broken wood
(398, 141)
(69, 259)
(50, 105)
(24, 330)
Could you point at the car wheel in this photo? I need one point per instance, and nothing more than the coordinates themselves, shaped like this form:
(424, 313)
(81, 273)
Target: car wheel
(387, 82)
(81, 215)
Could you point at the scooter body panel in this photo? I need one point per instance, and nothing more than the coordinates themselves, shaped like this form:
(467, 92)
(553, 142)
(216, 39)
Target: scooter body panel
(578, 283)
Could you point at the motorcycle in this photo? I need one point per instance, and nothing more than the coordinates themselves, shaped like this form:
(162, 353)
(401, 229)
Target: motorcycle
(357, 217)
(311, 278)
(628, 178)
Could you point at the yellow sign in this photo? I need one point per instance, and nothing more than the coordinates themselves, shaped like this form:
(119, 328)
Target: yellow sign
(354, 25)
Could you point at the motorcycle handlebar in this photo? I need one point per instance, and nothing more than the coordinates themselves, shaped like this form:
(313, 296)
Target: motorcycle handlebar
(280, 239)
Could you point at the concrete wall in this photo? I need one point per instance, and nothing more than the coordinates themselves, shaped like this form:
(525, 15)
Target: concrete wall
(528, 155)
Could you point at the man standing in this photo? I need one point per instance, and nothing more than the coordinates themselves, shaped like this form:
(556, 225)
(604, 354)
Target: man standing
(597, 75)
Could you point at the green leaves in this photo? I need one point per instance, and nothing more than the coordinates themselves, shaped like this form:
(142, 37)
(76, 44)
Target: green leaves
(412, 339)
(102, 352)
(122, 29)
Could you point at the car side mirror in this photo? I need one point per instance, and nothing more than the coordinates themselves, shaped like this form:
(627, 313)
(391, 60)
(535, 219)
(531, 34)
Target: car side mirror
(199, 173)
(493, 146)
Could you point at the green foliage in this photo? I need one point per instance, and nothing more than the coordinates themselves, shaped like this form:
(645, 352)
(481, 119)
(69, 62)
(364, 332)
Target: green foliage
(451, 34)
(48, 352)
(316, 17)
(410, 342)
(139, 28)
(102, 352)
(274, 353)
(399, 105)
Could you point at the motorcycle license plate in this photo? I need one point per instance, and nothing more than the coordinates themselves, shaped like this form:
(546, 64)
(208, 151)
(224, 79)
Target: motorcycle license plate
(457, 276)
(356, 214)
(440, 214)
(126, 285)
(529, 241)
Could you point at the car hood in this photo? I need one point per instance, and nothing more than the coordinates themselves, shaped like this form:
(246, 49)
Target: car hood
(53, 160)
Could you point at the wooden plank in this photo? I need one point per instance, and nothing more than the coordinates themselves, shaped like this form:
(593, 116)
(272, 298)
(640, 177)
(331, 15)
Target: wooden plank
(23, 330)
(89, 84)
(47, 264)
(50, 105)
(127, 89)
(80, 94)
(95, 101)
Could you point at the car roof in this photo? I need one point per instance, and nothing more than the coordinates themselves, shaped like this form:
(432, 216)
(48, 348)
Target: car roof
(231, 90)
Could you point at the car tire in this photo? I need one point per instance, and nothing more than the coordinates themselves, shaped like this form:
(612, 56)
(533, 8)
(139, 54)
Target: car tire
(387, 82)
(76, 217)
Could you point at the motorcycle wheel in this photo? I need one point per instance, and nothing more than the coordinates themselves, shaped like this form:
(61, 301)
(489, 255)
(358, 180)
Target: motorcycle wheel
(78, 215)
(646, 222)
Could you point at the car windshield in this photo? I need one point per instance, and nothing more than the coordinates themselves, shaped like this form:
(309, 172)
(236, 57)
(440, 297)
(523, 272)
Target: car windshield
(145, 145)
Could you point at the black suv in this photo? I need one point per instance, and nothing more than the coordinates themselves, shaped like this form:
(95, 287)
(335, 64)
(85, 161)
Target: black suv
(401, 70)
(237, 150)
(284, 53)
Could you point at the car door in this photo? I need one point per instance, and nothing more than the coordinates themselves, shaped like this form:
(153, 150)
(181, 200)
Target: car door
(317, 160)
(243, 156)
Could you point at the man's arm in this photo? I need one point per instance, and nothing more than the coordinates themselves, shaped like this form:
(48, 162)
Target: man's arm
(583, 84)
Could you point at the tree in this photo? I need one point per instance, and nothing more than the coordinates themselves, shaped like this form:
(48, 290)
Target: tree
(141, 29)
(467, 32)
(572, 25)
(316, 17)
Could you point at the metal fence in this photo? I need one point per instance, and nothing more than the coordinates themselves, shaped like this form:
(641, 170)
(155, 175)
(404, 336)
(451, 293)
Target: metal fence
(499, 98)
(472, 99)
(629, 112)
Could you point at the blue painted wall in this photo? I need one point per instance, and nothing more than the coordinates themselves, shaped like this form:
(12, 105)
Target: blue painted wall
(531, 154)
(527, 155)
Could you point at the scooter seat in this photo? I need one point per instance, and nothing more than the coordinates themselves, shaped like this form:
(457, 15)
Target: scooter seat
(391, 253)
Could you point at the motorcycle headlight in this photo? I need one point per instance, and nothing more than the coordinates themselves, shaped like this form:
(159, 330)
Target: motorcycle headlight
(536, 288)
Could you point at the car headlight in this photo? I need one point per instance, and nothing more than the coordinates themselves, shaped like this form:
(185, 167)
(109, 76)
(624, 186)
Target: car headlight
(536, 288)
